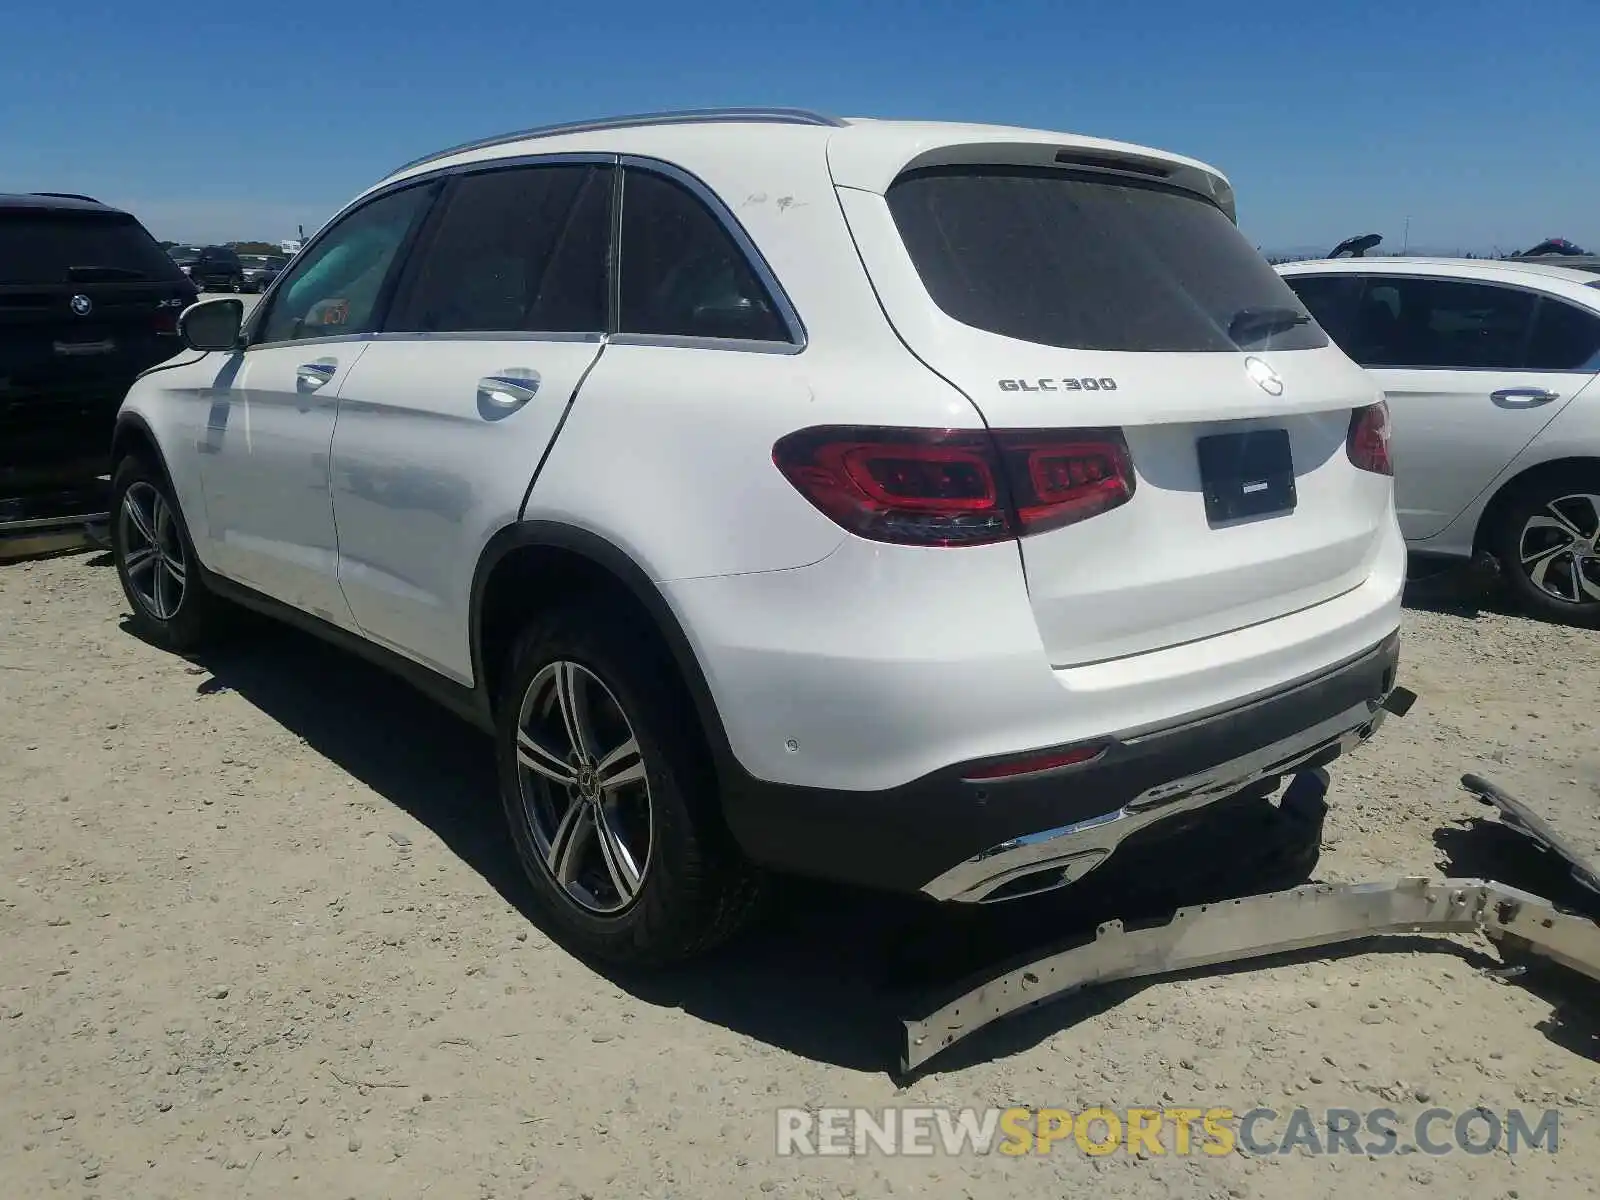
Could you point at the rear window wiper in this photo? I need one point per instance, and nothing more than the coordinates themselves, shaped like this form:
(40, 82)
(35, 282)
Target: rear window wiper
(103, 274)
(1248, 324)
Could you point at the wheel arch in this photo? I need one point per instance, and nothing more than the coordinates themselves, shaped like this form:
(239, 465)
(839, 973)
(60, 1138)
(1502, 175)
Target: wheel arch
(534, 563)
(132, 434)
(1507, 492)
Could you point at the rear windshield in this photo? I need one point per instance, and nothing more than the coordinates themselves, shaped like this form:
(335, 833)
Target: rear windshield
(74, 247)
(1070, 259)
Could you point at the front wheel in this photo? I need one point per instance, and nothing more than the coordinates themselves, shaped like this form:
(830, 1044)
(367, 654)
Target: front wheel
(610, 796)
(1547, 542)
(156, 562)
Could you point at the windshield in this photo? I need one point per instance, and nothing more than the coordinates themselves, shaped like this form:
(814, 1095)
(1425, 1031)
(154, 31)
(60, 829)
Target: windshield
(255, 260)
(53, 246)
(1092, 262)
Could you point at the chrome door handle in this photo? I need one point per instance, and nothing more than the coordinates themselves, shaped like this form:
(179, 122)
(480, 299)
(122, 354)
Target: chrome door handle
(308, 377)
(1524, 397)
(510, 389)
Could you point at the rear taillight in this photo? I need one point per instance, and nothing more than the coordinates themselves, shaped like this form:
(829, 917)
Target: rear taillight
(1367, 443)
(956, 487)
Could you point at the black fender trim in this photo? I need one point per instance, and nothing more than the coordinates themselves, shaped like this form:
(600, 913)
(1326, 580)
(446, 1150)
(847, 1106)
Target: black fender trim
(555, 535)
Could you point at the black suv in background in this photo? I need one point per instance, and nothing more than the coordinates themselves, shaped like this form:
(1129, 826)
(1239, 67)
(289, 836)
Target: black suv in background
(88, 300)
(211, 268)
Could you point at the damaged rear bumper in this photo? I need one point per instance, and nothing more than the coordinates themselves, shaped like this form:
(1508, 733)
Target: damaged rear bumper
(1259, 926)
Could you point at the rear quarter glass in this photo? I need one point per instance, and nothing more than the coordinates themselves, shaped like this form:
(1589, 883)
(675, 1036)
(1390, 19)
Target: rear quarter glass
(1092, 262)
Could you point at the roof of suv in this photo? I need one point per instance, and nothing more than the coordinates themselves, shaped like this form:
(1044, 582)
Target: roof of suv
(863, 153)
(58, 201)
(1504, 270)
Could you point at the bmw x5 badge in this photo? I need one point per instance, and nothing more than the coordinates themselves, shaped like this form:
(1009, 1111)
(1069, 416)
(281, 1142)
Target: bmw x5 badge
(1266, 378)
(81, 305)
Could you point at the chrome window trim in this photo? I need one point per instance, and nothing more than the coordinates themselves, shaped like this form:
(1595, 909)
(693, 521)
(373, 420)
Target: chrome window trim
(688, 116)
(1591, 367)
(798, 338)
(686, 342)
(487, 335)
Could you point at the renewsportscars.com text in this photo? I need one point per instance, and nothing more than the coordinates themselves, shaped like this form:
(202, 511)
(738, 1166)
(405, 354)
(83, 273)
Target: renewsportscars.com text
(1169, 1130)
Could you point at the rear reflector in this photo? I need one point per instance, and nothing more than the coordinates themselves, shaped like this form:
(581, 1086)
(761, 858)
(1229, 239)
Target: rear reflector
(1367, 443)
(1033, 764)
(956, 487)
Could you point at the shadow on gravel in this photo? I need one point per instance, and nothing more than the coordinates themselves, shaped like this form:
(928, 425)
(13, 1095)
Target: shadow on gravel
(830, 972)
(1452, 588)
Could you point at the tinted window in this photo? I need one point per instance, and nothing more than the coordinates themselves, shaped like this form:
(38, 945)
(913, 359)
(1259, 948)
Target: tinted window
(1334, 300)
(1066, 259)
(1415, 322)
(520, 249)
(336, 286)
(40, 246)
(1565, 337)
(682, 272)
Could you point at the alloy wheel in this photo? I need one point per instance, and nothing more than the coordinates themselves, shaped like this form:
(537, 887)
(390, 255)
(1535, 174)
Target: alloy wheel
(584, 788)
(1560, 549)
(152, 551)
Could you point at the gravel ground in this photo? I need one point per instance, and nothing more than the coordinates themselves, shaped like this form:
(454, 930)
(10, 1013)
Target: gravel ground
(262, 936)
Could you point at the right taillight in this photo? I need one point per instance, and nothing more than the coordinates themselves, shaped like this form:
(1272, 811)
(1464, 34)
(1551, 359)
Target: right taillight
(1367, 443)
(956, 487)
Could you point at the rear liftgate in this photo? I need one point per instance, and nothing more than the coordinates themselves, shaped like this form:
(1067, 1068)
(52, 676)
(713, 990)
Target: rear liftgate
(1276, 922)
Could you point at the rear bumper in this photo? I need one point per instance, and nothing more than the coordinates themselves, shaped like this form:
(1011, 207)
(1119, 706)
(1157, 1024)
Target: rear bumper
(957, 839)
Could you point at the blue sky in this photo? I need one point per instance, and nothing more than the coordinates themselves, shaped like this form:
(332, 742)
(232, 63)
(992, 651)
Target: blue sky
(1480, 119)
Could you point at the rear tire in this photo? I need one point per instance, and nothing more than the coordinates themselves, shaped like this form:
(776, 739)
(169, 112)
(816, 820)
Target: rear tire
(1547, 541)
(626, 851)
(156, 562)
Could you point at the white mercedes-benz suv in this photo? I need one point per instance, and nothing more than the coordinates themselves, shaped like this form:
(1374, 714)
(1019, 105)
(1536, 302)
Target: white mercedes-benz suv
(925, 506)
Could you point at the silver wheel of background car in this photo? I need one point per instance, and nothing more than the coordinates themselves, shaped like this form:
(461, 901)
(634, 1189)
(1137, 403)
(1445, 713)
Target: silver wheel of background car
(584, 788)
(1560, 548)
(152, 551)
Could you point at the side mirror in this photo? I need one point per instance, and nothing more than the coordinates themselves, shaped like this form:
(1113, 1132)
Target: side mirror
(212, 324)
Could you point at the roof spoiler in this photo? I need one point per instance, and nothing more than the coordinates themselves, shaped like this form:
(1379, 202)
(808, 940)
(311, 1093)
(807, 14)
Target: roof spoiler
(1356, 247)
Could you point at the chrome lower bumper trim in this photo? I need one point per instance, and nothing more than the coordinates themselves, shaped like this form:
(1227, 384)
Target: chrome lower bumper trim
(1072, 851)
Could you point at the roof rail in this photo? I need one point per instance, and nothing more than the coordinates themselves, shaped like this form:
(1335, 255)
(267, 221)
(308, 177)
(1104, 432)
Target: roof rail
(687, 116)
(66, 196)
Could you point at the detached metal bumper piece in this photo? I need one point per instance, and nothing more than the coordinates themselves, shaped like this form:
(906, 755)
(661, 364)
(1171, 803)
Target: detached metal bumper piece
(1277, 922)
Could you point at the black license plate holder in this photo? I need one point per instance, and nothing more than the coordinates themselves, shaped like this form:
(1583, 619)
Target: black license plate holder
(1249, 474)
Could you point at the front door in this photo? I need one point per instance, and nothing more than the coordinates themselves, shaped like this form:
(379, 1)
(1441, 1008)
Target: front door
(264, 454)
(451, 409)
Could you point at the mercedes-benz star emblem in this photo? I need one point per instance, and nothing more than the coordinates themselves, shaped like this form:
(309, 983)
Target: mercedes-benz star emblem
(1266, 378)
(81, 305)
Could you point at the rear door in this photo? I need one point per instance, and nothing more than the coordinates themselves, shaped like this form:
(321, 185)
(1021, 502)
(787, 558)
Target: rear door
(1080, 299)
(445, 419)
(1473, 371)
(87, 301)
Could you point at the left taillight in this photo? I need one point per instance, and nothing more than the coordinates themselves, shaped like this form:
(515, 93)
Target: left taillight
(956, 487)
(167, 312)
(1367, 443)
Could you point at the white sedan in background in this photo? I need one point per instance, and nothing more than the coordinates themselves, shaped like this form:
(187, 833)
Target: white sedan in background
(1489, 369)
